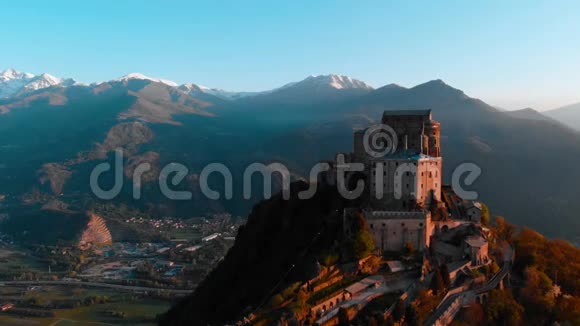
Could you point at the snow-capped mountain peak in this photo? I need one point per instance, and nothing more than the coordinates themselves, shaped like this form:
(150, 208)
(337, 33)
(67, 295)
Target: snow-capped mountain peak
(337, 81)
(332, 81)
(191, 88)
(14, 82)
(12, 74)
(42, 81)
(140, 76)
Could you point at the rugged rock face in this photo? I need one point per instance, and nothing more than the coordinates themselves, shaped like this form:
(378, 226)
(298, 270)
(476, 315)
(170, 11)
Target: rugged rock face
(127, 136)
(56, 175)
(279, 234)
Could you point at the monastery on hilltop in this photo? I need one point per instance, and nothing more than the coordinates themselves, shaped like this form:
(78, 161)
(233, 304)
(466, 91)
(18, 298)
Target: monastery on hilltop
(405, 203)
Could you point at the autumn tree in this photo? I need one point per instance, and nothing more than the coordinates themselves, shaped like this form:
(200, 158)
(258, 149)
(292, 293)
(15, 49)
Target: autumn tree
(412, 316)
(485, 215)
(474, 314)
(503, 229)
(363, 243)
(503, 309)
(536, 295)
(445, 276)
(399, 310)
(343, 317)
(437, 284)
(567, 308)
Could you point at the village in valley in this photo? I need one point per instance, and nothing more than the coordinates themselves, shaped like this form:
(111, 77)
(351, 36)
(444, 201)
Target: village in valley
(110, 282)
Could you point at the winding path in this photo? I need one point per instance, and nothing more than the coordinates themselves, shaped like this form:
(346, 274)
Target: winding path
(452, 304)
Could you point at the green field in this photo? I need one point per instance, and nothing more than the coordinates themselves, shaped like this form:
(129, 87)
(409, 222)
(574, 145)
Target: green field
(135, 310)
(191, 235)
(142, 312)
(15, 262)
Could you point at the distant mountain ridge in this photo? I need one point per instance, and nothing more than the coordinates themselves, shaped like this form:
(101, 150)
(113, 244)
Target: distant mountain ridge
(568, 115)
(14, 83)
(531, 114)
(299, 124)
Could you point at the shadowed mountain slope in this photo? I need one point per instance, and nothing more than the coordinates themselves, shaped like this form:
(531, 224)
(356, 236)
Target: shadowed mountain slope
(568, 115)
(529, 166)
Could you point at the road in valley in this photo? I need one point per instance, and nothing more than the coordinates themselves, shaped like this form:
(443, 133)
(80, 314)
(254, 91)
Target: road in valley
(99, 285)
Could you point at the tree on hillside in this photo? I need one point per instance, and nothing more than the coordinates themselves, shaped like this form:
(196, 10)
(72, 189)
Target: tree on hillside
(361, 222)
(343, 317)
(484, 215)
(567, 308)
(412, 316)
(475, 314)
(504, 230)
(552, 257)
(445, 275)
(399, 310)
(437, 285)
(363, 244)
(276, 300)
(536, 295)
(502, 309)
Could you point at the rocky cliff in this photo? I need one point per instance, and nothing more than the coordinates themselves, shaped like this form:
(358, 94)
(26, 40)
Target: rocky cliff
(279, 245)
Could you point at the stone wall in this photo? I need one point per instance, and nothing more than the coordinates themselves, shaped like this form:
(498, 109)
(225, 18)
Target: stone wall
(391, 231)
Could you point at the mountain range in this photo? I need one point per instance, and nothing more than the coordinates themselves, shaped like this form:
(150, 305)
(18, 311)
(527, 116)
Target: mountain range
(568, 115)
(55, 133)
(15, 83)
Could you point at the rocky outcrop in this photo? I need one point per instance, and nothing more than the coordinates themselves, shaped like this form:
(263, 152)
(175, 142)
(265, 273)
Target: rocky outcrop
(56, 175)
(127, 136)
(158, 103)
(279, 245)
(151, 158)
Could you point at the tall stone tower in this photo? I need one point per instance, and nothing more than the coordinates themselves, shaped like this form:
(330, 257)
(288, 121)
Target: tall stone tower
(405, 180)
(411, 174)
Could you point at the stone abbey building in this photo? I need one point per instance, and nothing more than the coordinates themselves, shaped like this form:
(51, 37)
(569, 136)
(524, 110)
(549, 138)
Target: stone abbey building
(403, 185)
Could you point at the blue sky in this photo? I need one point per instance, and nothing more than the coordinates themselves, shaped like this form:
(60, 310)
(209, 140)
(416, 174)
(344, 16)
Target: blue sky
(509, 53)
